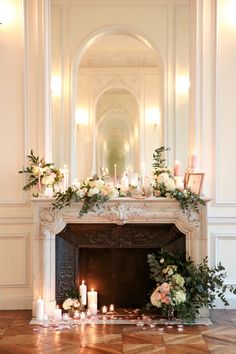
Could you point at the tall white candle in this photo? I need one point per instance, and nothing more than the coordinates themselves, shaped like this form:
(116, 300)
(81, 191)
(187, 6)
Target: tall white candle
(115, 176)
(92, 298)
(83, 293)
(39, 309)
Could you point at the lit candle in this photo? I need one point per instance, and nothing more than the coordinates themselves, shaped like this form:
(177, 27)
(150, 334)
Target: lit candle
(48, 192)
(111, 308)
(142, 173)
(57, 313)
(83, 293)
(88, 313)
(177, 168)
(104, 309)
(115, 173)
(66, 177)
(76, 314)
(39, 178)
(92, 298)
(39, 309)
(82, 316)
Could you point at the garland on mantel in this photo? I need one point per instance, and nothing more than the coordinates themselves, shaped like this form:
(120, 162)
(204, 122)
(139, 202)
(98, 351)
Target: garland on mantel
(94, 191)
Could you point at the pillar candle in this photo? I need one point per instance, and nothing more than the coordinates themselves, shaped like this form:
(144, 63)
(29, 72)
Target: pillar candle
(83, 293)
(92, 298)
(93, 309)
(115, 174)
(57, 313)
(177, 168)
(39, 309)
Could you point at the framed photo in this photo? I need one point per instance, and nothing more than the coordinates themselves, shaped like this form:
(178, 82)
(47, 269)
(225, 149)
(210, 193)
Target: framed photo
(194, 181)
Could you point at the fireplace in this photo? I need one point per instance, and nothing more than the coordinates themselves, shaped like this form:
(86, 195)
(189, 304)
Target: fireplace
(112, 259)
(113, 217)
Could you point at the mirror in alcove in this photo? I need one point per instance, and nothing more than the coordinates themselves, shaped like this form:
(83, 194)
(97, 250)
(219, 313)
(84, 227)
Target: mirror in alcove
(119, 107)
(117, 127)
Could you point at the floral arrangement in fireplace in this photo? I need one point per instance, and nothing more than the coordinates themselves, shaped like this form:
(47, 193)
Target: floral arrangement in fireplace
(72, 302)
(92, 192)
(185, 287)
(41, 173)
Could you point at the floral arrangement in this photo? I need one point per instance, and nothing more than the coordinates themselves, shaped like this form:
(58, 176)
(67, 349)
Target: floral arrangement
(72, 301)
(41, 173)
(184, 286)
(164, 184)
(92, 192)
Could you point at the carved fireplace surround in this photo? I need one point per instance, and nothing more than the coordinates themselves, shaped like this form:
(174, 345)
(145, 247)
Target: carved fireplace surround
(48, 223)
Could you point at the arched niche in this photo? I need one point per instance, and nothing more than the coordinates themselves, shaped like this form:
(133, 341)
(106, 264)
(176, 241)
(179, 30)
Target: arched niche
(116, 61)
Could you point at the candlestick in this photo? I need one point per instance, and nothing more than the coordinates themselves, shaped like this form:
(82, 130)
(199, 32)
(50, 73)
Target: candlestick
(83, 293)
(39, 309)
(92, 298)
(177, 168)
(115, 173)
(57, 313)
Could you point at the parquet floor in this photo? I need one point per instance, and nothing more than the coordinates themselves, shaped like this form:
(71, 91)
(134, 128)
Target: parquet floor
(17, 336)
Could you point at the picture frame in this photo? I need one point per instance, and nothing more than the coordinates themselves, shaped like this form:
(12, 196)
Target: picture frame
(194, 181)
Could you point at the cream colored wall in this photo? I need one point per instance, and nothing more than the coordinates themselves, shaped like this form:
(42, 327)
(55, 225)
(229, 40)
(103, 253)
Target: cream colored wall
(24, 125)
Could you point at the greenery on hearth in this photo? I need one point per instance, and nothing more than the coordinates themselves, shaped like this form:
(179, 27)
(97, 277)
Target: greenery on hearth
(185, 286)
(164, 184)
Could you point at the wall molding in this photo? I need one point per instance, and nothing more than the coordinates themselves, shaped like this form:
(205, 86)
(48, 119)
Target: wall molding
(25, 239)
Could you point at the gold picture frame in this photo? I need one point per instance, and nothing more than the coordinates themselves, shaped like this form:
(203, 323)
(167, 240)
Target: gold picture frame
(194, 181)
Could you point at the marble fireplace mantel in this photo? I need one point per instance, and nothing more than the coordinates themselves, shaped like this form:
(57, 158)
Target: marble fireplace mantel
(49, 222)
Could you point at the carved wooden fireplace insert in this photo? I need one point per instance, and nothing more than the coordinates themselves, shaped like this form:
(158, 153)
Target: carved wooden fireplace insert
(122, 229)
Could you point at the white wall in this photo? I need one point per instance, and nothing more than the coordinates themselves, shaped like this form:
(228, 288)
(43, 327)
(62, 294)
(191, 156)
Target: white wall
(24, 120)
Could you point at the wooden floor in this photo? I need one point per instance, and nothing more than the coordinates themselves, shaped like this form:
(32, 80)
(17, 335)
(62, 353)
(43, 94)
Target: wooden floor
(18, 336)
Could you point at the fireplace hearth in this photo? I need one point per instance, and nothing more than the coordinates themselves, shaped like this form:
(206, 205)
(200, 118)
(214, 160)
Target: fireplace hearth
(112, 259)
(108, 223)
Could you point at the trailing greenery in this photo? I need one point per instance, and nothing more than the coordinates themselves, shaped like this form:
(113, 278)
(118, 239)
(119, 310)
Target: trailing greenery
(202, 285)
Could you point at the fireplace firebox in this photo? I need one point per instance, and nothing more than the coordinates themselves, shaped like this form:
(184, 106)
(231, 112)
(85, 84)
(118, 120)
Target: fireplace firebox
(112, 259)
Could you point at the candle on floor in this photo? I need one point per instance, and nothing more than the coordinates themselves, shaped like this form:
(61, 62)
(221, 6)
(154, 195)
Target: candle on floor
(92, 298)
(82, 316)
(104, 309)
(111, 308)
(93, 309)
(177, 168)
(39, 309)
(57, 313)
(76, 314)
(83, 293)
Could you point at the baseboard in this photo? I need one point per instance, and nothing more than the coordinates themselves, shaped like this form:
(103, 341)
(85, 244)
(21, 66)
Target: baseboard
(21, 303)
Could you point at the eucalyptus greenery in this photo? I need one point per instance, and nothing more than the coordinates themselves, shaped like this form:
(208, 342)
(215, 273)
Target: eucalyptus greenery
(164, 187)
(203, 285)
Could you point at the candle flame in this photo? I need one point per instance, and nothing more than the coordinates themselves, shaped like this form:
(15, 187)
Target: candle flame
(92, 289)
(57, 307)
(82, 281)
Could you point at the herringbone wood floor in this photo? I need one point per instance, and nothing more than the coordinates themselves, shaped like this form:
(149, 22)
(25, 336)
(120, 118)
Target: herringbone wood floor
(18, 336)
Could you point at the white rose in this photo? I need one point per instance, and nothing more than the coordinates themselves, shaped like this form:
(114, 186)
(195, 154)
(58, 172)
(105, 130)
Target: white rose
(67, 304)
(93, 191)
(99, 183)
(179, 296)
(48, 180)
(162, 260)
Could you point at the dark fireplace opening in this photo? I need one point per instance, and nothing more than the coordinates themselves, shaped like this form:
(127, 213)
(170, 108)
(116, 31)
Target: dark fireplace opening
(112, 259)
